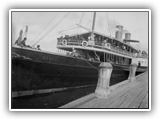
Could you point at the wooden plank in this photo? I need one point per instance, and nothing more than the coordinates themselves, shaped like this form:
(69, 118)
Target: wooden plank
(134, 105)
(128, 98)
(132, 95)
(137, 102)
(114, 95)
(119, 100)
(80, 101)
(119, 95)
(146, 98)
(103, 103)
(144, 103)
(88, 104)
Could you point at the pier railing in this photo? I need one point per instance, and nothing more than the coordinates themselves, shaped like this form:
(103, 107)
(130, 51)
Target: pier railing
(98, 45)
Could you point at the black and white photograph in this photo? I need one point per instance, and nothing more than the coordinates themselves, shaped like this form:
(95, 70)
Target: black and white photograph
(79, 59)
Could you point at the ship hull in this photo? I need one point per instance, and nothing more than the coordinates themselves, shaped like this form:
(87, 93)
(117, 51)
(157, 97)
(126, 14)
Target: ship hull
(33, 70)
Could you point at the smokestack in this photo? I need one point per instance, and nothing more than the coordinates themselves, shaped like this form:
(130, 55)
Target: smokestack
(127, 36)
(119, 32)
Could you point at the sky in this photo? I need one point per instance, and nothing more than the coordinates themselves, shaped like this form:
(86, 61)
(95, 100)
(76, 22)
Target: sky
(41, 23)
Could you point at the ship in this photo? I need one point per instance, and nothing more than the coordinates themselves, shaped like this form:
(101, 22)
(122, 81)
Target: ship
(34, 69)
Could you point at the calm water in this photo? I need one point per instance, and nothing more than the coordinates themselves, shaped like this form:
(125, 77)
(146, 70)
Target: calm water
(52, 100)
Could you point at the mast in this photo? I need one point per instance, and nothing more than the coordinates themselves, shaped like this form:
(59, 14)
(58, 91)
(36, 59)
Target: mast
(93, 26)
(93, 23)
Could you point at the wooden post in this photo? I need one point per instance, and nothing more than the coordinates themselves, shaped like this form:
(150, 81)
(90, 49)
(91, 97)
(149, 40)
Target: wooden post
(105, 70)
(133, 68)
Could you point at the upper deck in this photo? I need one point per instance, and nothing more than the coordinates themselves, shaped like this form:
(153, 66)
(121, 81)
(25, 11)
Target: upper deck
(98, 42)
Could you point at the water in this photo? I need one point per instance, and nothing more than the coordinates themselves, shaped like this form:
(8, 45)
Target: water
(51, 100)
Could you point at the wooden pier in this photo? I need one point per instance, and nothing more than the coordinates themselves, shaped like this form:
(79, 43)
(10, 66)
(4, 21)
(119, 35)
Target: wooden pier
(128, 94)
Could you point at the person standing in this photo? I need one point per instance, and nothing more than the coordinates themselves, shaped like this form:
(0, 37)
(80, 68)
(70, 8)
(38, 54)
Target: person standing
(23, 42)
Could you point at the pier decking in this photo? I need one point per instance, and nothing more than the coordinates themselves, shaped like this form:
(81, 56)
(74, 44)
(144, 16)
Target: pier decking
(127, 94)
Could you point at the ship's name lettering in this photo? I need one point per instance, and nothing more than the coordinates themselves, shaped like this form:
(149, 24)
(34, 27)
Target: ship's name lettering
(48, 58)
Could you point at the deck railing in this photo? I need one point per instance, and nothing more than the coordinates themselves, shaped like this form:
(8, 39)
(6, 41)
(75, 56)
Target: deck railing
(99, 45)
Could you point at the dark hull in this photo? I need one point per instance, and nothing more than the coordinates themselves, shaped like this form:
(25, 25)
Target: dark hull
(33, 70)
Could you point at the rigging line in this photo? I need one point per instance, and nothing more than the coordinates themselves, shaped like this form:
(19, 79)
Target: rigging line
(44, 28)
(91, 65)
(91, 20)
(52, 28)
(108, 23)
(96, 54)
(80, 22)
(67, 28)
(62, 33)
(114, 20)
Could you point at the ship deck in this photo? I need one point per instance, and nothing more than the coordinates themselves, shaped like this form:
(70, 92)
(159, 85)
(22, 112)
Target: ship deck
(124, 95)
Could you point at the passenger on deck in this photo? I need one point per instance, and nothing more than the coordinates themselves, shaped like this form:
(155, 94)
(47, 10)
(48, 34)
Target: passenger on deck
(99, 38)
(18, 41)
(82, 38)
(91, 59)
(23, 42)
(108, 60)
(75, 54)
(89, 37)
(38, 47)
(104, 42)
(97, 59)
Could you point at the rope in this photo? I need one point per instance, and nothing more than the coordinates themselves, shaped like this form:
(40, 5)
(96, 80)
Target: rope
(108, 23)
(91, 65)
(96, 54)
(51, 29)
(66, 28)
(44, 28)
(91, 20)
(80, 22)
(114, 19)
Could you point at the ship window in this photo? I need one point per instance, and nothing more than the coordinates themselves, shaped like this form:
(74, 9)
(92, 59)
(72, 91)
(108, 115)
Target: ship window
(117, 59)
(112, 58)
(109, 56)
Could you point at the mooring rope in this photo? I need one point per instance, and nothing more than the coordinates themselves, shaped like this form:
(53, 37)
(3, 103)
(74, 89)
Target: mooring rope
(44, 27)
(51, 28)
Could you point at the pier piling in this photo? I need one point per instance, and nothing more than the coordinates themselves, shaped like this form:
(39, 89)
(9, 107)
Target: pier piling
(102, 89)
(133, 68)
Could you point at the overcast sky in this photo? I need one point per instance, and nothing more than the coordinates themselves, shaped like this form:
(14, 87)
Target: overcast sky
(134, 22)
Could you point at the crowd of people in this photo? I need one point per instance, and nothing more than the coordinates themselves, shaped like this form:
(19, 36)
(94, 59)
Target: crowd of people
(22, 43)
